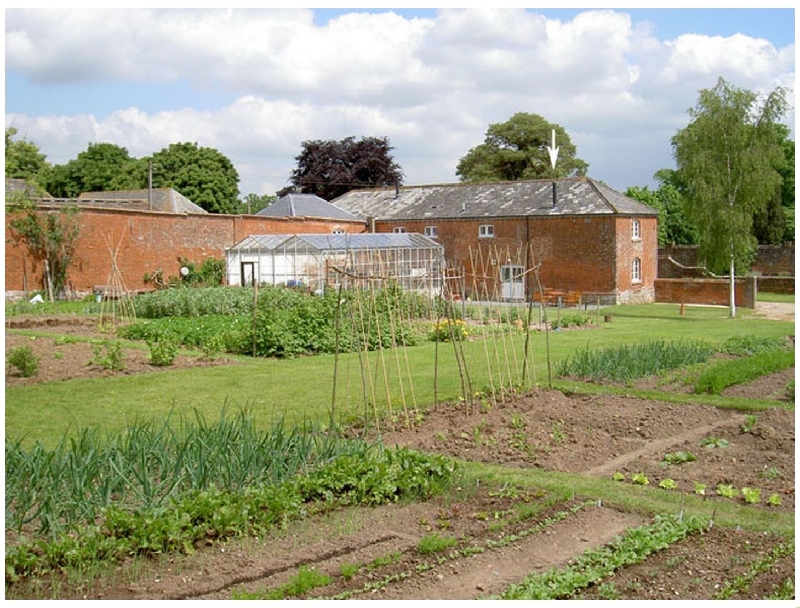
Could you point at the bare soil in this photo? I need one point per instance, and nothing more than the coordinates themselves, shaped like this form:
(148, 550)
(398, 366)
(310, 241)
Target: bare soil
(587, 435)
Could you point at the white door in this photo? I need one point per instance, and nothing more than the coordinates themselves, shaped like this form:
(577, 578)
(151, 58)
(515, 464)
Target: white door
(512, 282)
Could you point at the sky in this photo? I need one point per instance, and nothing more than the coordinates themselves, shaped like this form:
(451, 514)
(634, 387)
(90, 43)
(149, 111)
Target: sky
(256, 83)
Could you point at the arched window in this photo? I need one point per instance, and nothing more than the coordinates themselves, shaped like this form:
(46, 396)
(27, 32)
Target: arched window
(636, 270)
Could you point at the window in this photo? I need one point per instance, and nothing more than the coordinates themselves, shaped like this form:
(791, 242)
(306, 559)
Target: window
(338, 231)
(636, 230)
(636, 270)
(398, 229)
(485, 231)
(431, 231)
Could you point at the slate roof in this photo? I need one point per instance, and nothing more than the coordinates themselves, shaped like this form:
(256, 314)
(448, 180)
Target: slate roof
(336, 242)
(305, 205)
(573, 196)
(14, 185)
(163, 199)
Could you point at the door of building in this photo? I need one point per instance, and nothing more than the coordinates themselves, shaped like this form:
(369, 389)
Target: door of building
(512, 281)
(248, 274)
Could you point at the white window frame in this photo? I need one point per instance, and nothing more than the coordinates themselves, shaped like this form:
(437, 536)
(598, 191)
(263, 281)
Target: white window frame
(486, 231)
(431, 231)
(636, 230)
(399, 229)
(338, 231)
(636, 270)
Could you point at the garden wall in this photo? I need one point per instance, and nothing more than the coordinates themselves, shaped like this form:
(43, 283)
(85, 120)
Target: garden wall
(145, 241)
(707, 291)
(680, 261)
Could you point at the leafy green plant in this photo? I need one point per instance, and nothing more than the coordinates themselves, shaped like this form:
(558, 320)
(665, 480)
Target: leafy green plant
(750, 421)
(700, 488)
(448, 329)
(744, 346)
(617, 476)
(679, 457)
(640, 479)
(714, 442)
(306, 579)
(738, 371)
(434, 543)
(348, 571)
(24, 360)
(742, 582)
(751, 496)
(163, 351)
(108, 355)
(774, 500)
(667, 484)
(727, 490)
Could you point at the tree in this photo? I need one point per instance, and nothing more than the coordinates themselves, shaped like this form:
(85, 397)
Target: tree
(253, 203)
(203, 175)
(50, 238)
(330, 168)
(673, 224)
(102, 166)
(729, 157)
(23, 159)
(517, 150)
(775, 224)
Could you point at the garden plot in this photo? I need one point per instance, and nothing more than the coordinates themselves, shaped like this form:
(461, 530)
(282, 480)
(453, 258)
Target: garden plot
(481, 540)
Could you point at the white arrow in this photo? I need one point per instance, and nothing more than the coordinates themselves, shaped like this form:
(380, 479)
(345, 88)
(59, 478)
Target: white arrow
(553, 150)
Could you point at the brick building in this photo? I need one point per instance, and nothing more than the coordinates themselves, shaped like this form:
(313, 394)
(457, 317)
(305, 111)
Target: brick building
(585, 239)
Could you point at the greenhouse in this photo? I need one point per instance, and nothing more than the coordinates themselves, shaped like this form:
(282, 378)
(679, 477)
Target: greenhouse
(317, 261)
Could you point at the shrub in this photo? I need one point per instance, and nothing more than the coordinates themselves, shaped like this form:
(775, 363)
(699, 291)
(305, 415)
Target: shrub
(448, 329)
(163, 351)
(24, 360)
(108, 355)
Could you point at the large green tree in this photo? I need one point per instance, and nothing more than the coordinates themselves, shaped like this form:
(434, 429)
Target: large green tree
(101, 167)
(673, 225)
(518, 150)
(729, 157)
(329, 168)
(23, 158)
(203, 175)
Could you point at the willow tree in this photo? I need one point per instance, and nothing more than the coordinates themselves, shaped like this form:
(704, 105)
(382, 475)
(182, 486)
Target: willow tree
(729, 157)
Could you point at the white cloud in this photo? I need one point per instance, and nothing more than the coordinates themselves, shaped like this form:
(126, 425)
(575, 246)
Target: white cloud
(432, 86)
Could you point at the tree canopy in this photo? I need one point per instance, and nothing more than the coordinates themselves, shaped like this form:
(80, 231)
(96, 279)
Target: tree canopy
(730, 156)
(102, 166)
(674, 226)
(329, 168)
(23, 158)
(517, 150)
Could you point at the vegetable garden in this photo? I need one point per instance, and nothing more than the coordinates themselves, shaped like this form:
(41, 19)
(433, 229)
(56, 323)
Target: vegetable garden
(449, 452)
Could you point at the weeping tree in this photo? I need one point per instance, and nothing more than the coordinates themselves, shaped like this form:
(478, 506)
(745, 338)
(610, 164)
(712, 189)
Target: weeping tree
(729, 156)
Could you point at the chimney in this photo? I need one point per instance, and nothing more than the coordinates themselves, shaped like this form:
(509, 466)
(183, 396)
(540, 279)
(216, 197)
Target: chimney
(396, 190)
(554, 195)
(371, 224)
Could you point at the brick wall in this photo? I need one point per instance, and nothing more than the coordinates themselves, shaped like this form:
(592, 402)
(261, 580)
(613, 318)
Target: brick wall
(145, 241)
(771, 260)
(706, 291)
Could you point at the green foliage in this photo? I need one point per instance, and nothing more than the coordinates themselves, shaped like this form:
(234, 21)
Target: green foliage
(700, 488)
(163, 351)
(102, 166)
(747, 345)
(752, 496)
(516, 150)
(729, 156)
(667, 484)
(742, 582)
(727, 490)
(133, 524)
(674, 227)
(449, 329)
(629, 362)
(203, 175)
(210, 273)
(306, 579)
(714, 442)
(640, 479)
(774, 500)
(597, 564)
(739, 371)
(434, 543)
(23, 358)
(199, 302)
(50, 237)
(750, 421)
(108, 355)
(23, 158)
(617, 476)
(570, 320)
(681, 457)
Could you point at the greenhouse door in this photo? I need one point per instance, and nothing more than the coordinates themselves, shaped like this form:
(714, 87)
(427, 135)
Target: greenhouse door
(248, 274)
(512, 284)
